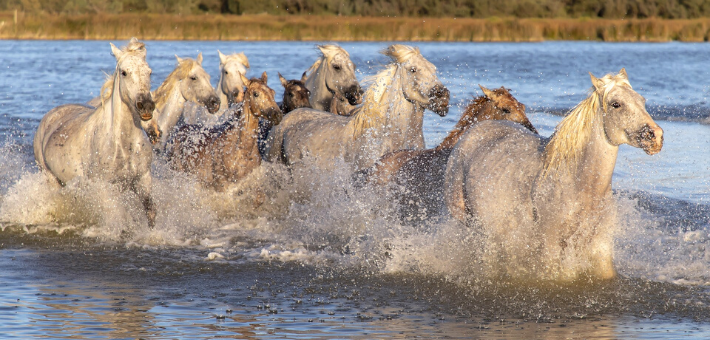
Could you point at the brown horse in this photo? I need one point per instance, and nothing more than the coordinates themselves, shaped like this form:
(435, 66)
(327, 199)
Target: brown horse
(295, 94)
(226, 153)
(420, 173)
(340, 106)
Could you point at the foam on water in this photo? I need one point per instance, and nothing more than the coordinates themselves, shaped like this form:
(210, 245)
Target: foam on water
(315, 217)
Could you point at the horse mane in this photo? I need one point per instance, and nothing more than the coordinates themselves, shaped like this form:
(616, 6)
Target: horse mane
(179, 73)
(374, 107)
(574, 131)
(134, 47)
(468, 118)
(239, 57)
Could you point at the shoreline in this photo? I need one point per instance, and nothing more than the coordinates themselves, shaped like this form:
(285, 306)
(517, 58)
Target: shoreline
(217, 27)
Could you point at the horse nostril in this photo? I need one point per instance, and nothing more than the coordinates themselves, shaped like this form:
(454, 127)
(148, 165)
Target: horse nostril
(140, 105)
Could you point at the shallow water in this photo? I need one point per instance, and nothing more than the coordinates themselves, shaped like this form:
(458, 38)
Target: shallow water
(322, 259)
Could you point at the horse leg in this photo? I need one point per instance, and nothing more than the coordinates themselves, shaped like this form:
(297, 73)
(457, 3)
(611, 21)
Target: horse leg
(142, 189)
(455, 196)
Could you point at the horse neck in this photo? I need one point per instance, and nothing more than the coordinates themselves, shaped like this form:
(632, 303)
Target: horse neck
(320, 96)
(467, 120)
(400, 121)
(170, 111)
(589, 181)
(223, 100)
(243, 132)
(115, 117)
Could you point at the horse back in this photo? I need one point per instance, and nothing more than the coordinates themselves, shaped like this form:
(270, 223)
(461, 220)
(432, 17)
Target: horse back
(491, 172)
(57, 119)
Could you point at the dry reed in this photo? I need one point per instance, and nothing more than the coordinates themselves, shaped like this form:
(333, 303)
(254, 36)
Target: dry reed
(310, 28)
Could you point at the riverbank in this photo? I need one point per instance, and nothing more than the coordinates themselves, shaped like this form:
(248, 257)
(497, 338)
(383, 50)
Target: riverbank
(341, 28)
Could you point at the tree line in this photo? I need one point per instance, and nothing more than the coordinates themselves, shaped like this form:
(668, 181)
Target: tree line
(611, 9)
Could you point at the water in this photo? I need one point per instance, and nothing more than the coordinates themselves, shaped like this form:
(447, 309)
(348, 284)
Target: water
(323, 260)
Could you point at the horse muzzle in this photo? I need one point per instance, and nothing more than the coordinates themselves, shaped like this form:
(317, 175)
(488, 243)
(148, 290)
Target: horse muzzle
(354, 94)
(212, 104)
(274, 115)
(145, 107)
(439, 100)
(650, 139)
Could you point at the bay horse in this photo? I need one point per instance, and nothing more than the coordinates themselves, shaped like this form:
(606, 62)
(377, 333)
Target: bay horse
(543, 207)
(332, 73)
(228, 152)
(389, 119)
(419, 174)
(106, 142)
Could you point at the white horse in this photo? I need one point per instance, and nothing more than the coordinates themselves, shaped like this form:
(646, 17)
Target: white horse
(333, 73)
(390, 118)
(230, 90)
(187, 83)
(106, 142)
(544, 207)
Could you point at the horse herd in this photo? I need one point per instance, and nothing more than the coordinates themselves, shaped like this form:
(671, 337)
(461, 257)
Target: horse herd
(493, 172)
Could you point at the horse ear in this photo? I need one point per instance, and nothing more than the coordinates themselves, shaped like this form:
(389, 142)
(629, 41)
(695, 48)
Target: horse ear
(283, 80)
(264, 78)
(133, 40)
(304, 77)
(199, 59)
(222, 57)
(116, 51)
(488, 93)
(623, 73)
(598, 83)
(244, 79)
(179, 60)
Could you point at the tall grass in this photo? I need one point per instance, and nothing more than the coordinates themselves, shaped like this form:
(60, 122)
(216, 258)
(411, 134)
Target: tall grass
(308, 28)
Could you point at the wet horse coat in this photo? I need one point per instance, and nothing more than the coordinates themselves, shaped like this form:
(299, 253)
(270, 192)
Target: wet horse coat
(419, 174)
(389, 119)
(543, 208)
(108, 142)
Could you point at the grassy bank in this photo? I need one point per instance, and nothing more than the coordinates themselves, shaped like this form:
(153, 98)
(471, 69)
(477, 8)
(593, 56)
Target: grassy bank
(267, 27)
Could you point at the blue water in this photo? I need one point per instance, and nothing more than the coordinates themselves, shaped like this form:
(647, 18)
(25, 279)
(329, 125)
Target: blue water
(74, 265)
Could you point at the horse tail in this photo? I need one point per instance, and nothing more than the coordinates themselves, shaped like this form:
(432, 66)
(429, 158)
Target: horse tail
(454, 187)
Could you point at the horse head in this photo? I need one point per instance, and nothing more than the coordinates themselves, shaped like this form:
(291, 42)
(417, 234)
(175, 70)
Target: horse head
(295, 93)
(340, 106)
(133, 76)
(420, 84)
(195, 83)
(625, 118)
(504, 107)
(231, 67)
(340, 73)
(259, 99)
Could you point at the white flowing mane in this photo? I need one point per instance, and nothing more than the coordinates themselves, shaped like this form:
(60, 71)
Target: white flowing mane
(374, 105)
(238, 57)
(134, 47)
(574, 131)
(173, 79)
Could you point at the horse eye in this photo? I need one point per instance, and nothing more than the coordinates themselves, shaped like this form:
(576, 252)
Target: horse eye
(616, 105)
(225, 72)
(256, 94)
(123, 73)
(413, 70)
(506, 111)
(193, 78)
(336, 67)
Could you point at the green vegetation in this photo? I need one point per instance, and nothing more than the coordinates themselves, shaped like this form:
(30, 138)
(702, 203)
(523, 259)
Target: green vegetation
(347, 28)
(609, 9)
